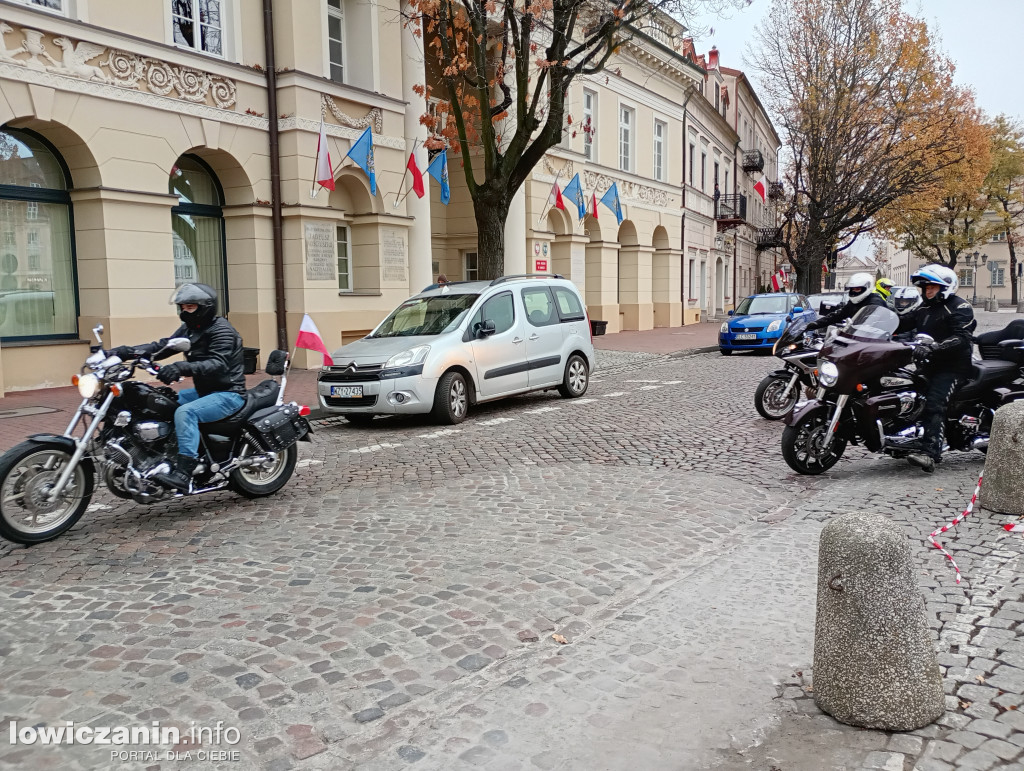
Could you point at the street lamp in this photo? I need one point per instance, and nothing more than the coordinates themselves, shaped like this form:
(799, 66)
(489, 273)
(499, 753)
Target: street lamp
(972, 260)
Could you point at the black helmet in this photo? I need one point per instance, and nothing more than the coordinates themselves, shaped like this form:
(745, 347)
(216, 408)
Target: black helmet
(199, 294)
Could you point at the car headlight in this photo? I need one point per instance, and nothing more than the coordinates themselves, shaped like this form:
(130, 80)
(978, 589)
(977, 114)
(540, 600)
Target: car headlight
(775, 326)
(725, 327)
(408, 358)
(88, 385)
(828, 374)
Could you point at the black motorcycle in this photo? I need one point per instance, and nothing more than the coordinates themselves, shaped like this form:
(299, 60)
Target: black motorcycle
(779, 392)
(868, 395)
(47, 481)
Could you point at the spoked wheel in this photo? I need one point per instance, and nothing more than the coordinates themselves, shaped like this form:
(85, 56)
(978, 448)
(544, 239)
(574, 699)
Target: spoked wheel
(803, 444)
(576, 378)
(28, 473)
(771, 400)
(264, 479)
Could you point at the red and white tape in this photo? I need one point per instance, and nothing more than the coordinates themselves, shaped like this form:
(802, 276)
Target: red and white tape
(957, 521)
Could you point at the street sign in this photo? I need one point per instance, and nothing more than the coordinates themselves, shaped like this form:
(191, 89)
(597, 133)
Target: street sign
(541, 266)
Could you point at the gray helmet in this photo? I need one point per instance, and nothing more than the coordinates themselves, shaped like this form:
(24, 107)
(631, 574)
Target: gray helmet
(200, 294)
(905, 299)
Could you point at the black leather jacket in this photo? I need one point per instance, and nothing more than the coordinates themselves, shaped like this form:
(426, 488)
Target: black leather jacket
(951, 323)
(847, 311)
(215, 359)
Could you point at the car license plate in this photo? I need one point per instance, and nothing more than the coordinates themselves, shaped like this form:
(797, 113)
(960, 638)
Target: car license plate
(347, 392)
(745, 337)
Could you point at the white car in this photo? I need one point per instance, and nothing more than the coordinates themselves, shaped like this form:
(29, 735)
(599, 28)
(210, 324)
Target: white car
(463, 343)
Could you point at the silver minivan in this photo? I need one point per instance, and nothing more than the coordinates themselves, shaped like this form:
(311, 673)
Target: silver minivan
(458, 344)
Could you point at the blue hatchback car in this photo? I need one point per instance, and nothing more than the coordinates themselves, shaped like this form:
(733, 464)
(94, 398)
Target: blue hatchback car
(758, 321)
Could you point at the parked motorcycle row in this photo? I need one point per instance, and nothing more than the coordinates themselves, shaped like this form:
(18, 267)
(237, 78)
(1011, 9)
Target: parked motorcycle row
(47, 481)
(859, 387)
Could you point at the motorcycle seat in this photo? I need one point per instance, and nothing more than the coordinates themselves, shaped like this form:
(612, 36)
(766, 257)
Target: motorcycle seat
(260, 397)
(986, 374)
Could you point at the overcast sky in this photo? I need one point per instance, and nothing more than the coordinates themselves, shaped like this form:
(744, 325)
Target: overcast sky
(982, 37)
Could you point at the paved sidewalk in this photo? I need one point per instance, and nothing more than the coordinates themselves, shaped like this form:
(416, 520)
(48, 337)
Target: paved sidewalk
(664, 340)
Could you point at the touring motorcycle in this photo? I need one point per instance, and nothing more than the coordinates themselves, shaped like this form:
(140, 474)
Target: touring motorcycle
(47, 481)
(779, 392)
(868, 395)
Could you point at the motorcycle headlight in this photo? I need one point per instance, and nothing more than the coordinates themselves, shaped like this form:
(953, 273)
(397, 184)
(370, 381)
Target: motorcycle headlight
(828, 374)
(408, 358)
(775, 326)
(88, 385)
(724, 328)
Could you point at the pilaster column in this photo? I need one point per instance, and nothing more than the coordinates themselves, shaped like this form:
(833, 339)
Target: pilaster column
(420, 250)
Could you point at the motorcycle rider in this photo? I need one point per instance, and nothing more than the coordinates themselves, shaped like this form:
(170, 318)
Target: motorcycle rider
(214, 362)
(943, 363)
(859, 290)
(884, 287)
(905, 300)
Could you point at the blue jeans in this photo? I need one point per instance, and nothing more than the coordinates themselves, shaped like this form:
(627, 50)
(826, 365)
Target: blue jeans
(196, 409)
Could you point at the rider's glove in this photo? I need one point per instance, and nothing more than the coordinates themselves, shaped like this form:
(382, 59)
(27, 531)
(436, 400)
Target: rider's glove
(171, 373)
(123, 352)
(812, 326)
(923, 351)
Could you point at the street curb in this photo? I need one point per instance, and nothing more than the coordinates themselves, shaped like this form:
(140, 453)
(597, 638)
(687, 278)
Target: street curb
(692, 352)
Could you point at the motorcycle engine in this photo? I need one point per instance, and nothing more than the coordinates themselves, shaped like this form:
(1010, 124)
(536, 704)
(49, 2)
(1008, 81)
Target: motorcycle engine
(911, 405)
(132, 453)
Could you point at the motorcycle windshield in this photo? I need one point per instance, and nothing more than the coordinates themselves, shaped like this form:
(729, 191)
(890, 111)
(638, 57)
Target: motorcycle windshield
(793, 334)
(872, 323)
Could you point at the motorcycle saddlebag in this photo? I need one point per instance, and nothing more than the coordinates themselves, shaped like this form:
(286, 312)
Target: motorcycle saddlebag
(278, 428)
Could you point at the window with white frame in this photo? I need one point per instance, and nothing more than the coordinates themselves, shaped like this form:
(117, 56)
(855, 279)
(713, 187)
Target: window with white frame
(660, 133)
(57, 6)
(31, 210)
(344, 259)
(998, 275)
(336, 40)
(966, 276)
(693, 155)
(589, 123)
(199, 25)
(1000, 236)
(625, 138)
(470, 266)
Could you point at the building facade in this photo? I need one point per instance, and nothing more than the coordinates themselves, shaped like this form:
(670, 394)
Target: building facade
(135, 155)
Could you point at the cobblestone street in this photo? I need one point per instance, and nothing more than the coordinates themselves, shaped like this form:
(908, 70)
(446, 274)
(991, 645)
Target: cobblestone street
(395, 606)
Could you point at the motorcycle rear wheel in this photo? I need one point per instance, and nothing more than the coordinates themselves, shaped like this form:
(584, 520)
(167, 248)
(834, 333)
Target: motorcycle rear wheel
(768, 398)
(257, 482)
(802, 445)
(27, 472)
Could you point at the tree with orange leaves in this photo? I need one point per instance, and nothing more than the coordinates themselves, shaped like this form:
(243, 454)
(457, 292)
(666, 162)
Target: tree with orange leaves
(501, 71)
(869, 114)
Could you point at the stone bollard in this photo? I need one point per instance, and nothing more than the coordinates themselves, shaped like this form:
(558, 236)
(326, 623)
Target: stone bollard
(874, 661)
(1003, 490)
(1020, 307)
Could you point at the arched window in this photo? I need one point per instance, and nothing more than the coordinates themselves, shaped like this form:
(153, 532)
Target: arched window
(38, 296)
(198, 226)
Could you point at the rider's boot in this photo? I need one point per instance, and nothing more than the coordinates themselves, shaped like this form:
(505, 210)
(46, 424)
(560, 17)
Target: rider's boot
(180, 475)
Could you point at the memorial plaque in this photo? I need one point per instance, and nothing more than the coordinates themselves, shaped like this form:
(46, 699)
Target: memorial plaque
(394, 254)
(321, 252)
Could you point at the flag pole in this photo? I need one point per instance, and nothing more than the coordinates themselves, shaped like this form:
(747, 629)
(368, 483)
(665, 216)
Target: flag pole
(547, 206)
(412, 153)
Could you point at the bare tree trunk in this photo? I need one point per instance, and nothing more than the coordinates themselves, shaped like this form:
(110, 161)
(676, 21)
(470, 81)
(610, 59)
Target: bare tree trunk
(491, 211)
(1013, 271)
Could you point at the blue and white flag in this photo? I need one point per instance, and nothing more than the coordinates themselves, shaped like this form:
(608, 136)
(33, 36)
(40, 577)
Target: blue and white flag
(438, 169)
(362, 153)
(574, 193)
(611, 200)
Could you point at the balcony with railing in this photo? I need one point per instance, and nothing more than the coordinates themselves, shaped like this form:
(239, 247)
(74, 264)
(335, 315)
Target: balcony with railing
(730, 211)
(753, 161)
(769, 237)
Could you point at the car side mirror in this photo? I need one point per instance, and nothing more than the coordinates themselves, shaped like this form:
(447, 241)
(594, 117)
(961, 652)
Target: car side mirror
(485, 328)
(732, 313)
(798, 309)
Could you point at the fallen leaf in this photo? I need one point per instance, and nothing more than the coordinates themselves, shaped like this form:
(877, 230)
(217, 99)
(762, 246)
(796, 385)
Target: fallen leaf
(980, 678)
(559, 639)
(1012, 707)
(965, 704)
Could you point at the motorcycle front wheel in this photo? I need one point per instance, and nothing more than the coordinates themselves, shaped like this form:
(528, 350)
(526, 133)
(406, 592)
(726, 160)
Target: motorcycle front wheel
(28, 472)
(257, 482)
(803, 444)
(771, 400)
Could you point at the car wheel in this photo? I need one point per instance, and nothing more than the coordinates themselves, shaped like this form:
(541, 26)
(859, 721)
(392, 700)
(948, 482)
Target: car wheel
(725, 351)
(576, 379)
(451, 400)
(358, 418)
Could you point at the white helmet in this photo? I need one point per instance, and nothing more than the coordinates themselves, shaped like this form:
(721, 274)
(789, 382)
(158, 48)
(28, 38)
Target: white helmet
(859, 287)
(937, 274)
(905, 300)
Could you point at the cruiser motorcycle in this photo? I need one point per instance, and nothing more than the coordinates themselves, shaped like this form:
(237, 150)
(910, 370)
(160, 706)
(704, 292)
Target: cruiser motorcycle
(47, 481)
(779, 392)
(868, 395)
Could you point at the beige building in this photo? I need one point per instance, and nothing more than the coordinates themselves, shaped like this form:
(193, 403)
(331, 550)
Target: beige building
(135, 154)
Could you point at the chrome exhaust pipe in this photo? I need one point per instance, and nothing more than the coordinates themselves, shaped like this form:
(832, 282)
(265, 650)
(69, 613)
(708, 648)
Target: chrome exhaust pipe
(980, 443)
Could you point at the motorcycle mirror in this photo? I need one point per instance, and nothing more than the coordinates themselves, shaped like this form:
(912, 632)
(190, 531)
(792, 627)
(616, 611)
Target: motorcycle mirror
(179, 344)
(98, 331)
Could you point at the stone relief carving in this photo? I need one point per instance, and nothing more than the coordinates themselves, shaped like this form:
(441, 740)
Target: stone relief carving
(566, 168)
(374, 117)
(125, 69)
(627, 189)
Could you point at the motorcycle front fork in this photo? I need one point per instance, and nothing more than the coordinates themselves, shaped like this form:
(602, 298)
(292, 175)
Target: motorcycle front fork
(834, 423)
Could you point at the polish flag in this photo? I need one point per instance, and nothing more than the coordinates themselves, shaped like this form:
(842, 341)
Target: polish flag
(761, 187)
(778, 281)
(555, 197)
(417, 175)
(310, 339)
(824, 267)
(593, 205)
(324, 169)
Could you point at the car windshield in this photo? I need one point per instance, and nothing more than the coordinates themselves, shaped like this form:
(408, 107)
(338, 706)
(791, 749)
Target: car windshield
(433, 315)
(872, 323)
(752, 306)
